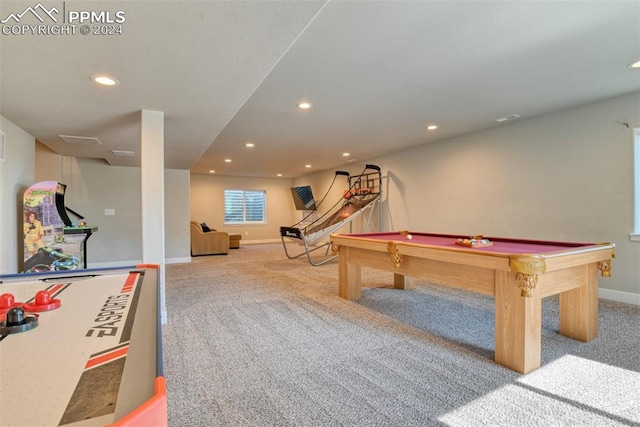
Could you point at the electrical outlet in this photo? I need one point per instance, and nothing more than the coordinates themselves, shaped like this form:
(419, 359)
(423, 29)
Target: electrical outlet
(246, 233)
(109, 211)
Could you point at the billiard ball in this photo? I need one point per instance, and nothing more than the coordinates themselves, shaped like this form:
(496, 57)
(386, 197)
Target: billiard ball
(409, 237)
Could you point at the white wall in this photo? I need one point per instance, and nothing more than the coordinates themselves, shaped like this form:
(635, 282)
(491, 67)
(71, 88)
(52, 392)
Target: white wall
(207, 204)
(331, 187)
(565, 176)
(177, 238)
(93, 186)
(17, 173)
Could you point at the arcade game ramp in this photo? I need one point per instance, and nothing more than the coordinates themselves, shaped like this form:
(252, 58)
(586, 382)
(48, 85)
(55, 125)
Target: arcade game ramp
(363, 193)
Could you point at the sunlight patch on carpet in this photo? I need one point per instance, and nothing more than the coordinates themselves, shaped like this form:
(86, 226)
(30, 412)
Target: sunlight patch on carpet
(596, 391)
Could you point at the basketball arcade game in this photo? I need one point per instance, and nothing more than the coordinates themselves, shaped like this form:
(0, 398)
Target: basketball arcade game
(363, 193)
(82, 348)
(52, 242)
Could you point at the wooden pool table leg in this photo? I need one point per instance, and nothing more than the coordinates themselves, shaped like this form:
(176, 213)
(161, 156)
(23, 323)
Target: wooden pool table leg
(579, 308)
(518, 325)
(400, 281)
(349, 277)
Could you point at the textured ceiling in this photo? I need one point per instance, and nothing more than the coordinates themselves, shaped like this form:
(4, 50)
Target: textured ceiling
(377, 72)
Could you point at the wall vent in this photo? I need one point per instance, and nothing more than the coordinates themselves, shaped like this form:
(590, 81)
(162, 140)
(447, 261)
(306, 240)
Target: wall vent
(123, 153)
(507, 118)
(1, 146)
(84, 140)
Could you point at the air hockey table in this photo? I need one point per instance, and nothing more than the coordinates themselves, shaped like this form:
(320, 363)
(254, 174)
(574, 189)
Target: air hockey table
(82, 349)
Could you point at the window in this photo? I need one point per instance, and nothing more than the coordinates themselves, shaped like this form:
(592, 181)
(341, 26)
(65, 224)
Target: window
(636, 224)
(244, 207)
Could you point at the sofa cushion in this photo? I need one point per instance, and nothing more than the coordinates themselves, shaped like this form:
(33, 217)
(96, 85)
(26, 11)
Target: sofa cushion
(205, 227)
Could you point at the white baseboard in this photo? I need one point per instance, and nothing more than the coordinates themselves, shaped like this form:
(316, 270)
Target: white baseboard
(258, 242)
(112, 264)
(180, 260)
(619, 296)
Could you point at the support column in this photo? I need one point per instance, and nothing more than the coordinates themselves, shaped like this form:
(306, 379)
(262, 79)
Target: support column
(152, 182)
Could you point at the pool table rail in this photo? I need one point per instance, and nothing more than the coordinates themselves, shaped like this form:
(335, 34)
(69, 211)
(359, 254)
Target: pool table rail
(526, 266)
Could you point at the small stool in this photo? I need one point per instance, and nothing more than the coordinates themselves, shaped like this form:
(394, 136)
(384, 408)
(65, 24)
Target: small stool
(234, 240)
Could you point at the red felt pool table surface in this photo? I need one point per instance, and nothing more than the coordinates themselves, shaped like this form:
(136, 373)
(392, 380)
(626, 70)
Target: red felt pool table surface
(499, 245)
(518, 273)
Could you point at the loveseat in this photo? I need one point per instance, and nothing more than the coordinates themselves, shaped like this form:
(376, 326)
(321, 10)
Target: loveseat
(211, 242)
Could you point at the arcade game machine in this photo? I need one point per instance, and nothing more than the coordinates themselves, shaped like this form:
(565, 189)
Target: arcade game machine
(52, 242)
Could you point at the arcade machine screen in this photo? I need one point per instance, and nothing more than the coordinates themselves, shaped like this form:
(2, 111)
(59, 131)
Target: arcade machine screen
(52, 242)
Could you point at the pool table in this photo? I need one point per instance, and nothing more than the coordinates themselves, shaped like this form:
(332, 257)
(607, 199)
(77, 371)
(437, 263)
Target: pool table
(83, 349)
(517, 273)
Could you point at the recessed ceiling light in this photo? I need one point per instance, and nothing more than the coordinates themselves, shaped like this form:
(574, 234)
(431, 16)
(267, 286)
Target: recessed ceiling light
(227, 160)
(635, 65)
(212, 171)
(307, 166)
(279, 174)
(249, 144)
(304, 105)
(105, 80)
(345, 154)
(432, 127)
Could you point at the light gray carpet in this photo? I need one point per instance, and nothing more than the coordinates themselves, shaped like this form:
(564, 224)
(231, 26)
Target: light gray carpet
(256, 339)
